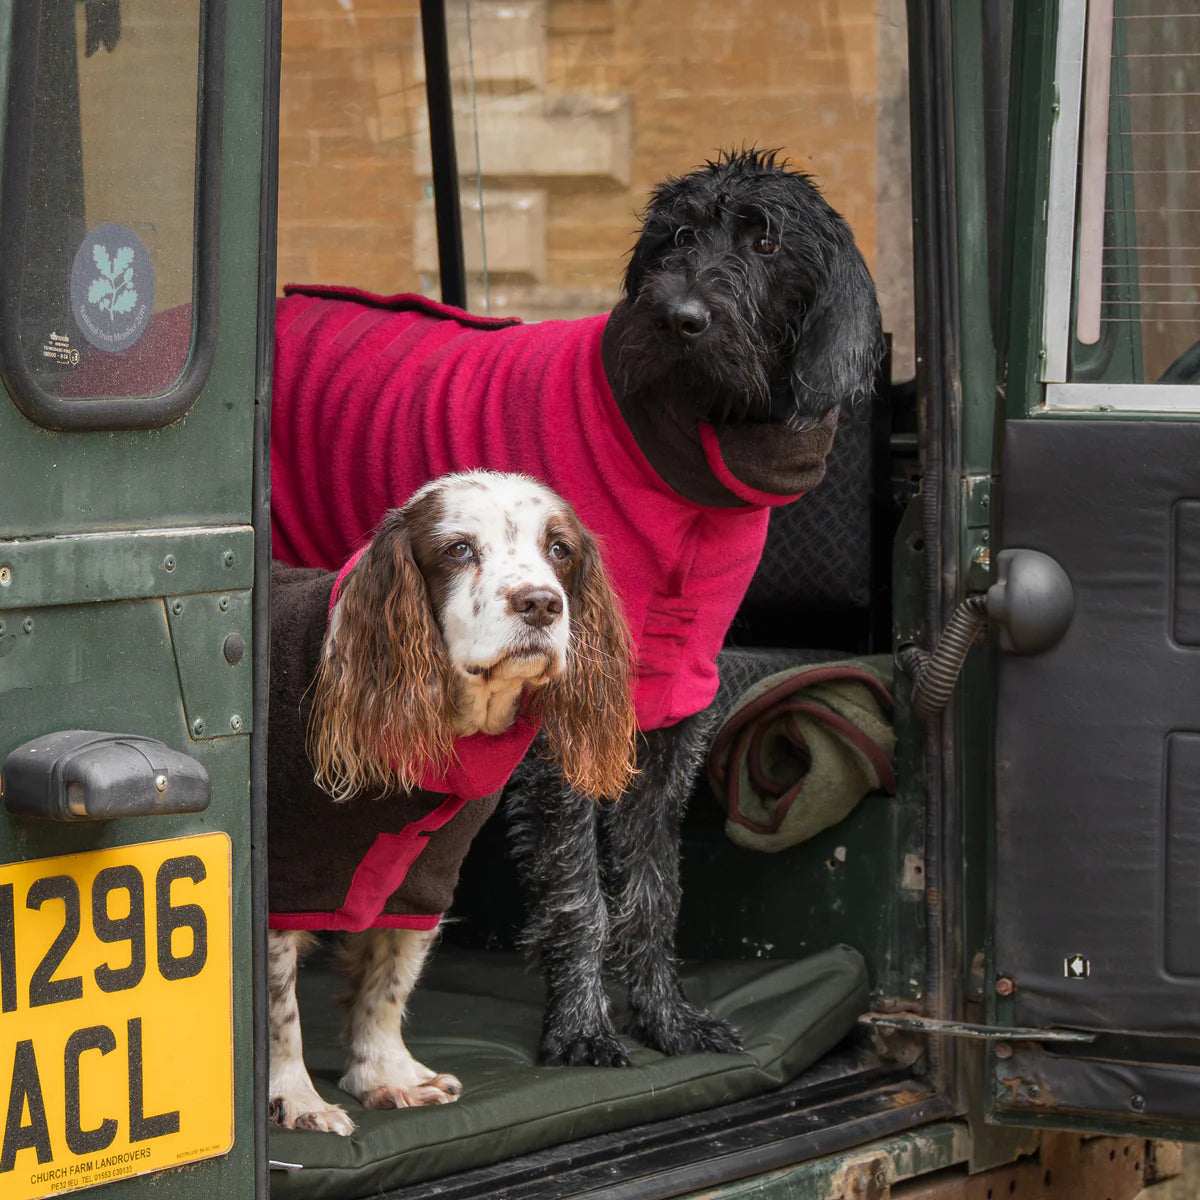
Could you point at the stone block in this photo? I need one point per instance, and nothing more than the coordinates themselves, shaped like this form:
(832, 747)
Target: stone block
(514, 226)
(565, 136)
(506, 44)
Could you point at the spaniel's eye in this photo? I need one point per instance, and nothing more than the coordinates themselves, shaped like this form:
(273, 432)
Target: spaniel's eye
(459, 550)
(560, 551)
(764, 245)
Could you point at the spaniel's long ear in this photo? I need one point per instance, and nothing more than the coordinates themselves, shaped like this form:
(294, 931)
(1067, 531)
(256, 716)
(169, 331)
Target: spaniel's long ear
(587, 711)
(840, 340)
(381, 711)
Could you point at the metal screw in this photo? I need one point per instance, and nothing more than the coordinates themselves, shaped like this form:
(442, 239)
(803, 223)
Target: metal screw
(235, 723)
(223, 603)
(177, 607)
(1137, 1102)
(198, 727)
(227, 558)
(160, 783)
(169, 563)
(1003, 1050)
(1005, 986)
(27, 625)
(5, 576)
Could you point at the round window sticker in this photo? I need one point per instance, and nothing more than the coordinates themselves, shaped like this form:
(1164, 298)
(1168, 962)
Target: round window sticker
(112, 287)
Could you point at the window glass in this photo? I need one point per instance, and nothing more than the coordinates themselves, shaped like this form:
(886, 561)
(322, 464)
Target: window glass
(105, 291)
(567, 113)
(1137, 307)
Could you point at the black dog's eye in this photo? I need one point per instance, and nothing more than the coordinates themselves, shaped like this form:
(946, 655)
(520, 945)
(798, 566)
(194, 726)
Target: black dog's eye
(685, 235)
(764, 245)
(459, 550)
(560, 551)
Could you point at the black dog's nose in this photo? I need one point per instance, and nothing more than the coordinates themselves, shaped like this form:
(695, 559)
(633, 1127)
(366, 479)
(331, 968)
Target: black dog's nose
(687, 319)
(536, 606)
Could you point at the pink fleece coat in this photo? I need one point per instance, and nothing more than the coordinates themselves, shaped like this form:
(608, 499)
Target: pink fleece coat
(374, 396)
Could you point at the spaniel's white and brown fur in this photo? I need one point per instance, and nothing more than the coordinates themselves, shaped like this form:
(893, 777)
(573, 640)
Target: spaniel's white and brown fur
(482, 589)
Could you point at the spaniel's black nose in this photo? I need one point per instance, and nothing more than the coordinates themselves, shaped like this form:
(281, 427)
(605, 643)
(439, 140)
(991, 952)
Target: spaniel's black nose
(536, 606)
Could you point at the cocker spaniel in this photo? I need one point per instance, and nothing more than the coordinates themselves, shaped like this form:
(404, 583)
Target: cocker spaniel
(404, 690)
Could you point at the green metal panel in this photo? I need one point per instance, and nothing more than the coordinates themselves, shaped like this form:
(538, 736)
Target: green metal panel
(126, 561)
(124, 564)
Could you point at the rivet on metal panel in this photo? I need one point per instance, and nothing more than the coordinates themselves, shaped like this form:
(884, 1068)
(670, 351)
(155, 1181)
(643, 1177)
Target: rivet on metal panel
(177, 607)
(1033, 1091)
(235, 723)
(5, 576)
(169, 563)
(234, 649)
(227, 558)
(1005, 986)
(27, 625)
(160, 783)
(1137, 1102)
(223, 604)
(198, 727)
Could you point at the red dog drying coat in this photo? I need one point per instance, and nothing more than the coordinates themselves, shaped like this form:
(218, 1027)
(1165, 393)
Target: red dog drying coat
(389, 860)
(375, 396)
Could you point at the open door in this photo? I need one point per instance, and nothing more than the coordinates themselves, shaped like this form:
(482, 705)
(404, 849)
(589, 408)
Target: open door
(1096, 901)
(136, 278)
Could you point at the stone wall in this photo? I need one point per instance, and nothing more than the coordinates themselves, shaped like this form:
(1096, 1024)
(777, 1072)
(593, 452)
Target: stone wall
(568, 112)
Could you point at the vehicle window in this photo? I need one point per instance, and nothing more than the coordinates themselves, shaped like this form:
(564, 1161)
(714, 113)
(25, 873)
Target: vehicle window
(567, 113)
(105, 156)
(1137, 303)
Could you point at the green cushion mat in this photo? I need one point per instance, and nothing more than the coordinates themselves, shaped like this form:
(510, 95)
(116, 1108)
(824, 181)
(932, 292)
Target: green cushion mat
(478, 1015)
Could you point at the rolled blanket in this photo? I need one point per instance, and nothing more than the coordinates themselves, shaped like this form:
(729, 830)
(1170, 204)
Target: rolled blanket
(801, 748)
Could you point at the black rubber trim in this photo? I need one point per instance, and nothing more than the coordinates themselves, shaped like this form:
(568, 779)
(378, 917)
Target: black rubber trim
(452, 267)
(704, 1150)
(261, 604)
(88, 413)
(935, 277)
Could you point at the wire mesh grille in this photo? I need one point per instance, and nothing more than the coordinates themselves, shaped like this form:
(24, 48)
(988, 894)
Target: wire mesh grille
(1148, 277)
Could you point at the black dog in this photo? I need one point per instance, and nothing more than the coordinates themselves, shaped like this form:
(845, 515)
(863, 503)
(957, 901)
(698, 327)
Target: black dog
(746, 301)
(710, 393)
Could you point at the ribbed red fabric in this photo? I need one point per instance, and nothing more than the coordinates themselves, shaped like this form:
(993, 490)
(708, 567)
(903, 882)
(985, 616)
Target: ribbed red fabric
(374, 396)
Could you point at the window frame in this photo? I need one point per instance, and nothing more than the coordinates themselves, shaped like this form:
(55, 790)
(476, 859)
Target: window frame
(1060, 394)
(110, 412)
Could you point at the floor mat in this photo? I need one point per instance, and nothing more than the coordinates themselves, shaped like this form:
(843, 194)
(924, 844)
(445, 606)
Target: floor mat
(478, 1015)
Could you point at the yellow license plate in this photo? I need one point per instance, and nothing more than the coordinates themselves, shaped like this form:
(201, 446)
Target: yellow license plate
(116, 1016)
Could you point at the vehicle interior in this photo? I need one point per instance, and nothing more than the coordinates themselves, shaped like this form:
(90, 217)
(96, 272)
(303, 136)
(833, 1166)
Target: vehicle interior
(563, 117)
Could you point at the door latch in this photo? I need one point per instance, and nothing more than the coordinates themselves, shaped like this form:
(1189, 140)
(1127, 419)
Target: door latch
(82, 775)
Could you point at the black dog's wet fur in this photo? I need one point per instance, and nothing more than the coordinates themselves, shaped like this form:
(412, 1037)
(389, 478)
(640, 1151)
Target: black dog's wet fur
(746, 248)
(794, 332)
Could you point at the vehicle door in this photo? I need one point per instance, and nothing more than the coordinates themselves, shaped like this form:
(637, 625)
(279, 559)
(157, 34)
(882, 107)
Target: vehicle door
(1096, 895)
(136, 255)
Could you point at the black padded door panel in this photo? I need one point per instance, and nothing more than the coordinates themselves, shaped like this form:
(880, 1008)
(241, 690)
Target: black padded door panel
(1097, 890)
